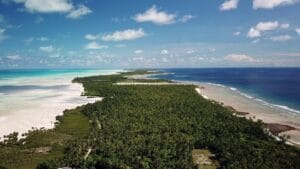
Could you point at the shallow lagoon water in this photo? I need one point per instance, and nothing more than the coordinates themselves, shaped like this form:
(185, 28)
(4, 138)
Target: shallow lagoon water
(33, 98)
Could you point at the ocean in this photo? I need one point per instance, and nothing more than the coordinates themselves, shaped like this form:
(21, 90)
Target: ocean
(274, 87)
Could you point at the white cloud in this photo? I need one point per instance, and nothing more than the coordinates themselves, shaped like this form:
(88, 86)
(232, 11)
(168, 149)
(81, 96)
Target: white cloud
(281, 38)
(47, 6)
(164, 52)
(270, 4)
(137, 59)
(190, 51)
(239, 58)
(91, 37)
(253, 33)
(54, 6)
(298, 31)
(256, 41)
(129, 34)
(28, 41)
(48, 49)
(155, 16)
(14, 57)
(285, 25)
(79, 12)
(165, 60)
(95, 46)
(237, 33)
(138, 51)
(2, 35)
(256, 31)
(229, 4)
(186, 18)
(267, 26)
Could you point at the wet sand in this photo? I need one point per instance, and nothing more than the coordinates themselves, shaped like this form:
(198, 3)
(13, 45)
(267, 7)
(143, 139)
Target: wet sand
(279, 120)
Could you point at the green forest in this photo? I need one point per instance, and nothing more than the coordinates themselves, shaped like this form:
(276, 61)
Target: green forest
(147, 126)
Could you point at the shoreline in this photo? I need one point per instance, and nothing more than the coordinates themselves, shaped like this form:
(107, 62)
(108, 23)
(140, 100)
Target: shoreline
(278, 122)
(179, 124)
(24, 118)
(282, 121)
(284, 124)
(40, 101)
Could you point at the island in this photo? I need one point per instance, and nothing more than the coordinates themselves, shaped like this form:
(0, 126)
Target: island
(148, 123)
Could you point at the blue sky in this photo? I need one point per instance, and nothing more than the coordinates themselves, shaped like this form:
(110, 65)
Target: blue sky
(141, 33)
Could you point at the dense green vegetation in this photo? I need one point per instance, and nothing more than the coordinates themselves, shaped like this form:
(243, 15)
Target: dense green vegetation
(40, 145)
(138, 126)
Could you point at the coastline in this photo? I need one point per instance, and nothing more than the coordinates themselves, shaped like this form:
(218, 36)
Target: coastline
(282, 121)
(180, 122)
(43, 112)
(253, 109)
(39, 101)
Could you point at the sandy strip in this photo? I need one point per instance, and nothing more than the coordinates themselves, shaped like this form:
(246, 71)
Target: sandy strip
(247, 106)
(145, 83)
(146, 76)
(255, 109)
(39, 108)
(34, 102)
(198, 90)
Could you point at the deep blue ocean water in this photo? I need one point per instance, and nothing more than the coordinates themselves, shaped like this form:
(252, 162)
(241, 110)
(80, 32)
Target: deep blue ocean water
(278, 86)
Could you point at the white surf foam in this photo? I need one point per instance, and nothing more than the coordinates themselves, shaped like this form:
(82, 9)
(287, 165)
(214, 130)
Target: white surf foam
(261, 101)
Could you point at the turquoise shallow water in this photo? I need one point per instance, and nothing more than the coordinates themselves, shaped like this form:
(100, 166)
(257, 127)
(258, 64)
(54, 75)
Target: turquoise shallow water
(33, 98)
(16, 79)
(4, 74)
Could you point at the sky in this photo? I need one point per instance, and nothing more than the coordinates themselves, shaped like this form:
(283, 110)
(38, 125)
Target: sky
(149, 33)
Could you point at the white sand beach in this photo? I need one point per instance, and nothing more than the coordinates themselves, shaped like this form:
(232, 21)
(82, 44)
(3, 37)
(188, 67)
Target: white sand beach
(37, 101)
(255, 107)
